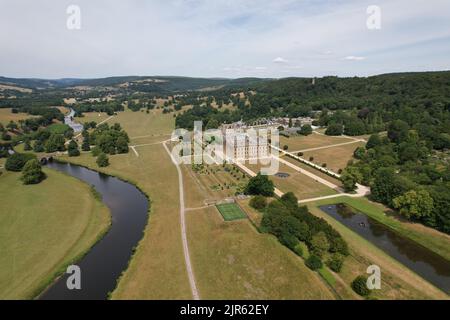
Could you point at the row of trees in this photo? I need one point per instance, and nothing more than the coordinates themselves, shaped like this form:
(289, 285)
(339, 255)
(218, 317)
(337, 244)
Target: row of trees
(110, 107)
(292, 225)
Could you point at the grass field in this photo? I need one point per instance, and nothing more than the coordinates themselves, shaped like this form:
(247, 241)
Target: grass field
(299, 142)
(254, 215)
(43, 228)
(6, 116)
(398, 282)
(313, 170)
(58, 128)
(230, 211)
(301, 185)
(335, 157)
(145, 124)
(233, 261)
(64, 110)
(92, 116)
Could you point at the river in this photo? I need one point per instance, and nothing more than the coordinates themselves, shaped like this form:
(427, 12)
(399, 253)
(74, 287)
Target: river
(104, 263)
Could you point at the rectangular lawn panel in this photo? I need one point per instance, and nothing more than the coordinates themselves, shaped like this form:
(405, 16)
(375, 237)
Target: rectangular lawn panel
(297, 143)
(335, 157)
(300, 184)
(230, 211)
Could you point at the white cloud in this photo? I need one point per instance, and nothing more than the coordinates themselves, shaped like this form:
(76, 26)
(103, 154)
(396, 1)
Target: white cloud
(354, 58)
(280, 60)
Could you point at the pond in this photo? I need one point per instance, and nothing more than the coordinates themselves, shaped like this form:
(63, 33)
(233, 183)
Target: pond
(102, 266)
(419, 259)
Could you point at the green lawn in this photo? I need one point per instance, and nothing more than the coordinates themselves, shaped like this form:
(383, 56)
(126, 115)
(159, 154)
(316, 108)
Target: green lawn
(58, 128)
(43, 228)
(230, 211)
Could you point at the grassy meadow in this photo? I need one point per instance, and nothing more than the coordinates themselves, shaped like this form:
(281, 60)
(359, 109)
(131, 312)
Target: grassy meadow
(6, 116)
(43, 228)
(231, 260)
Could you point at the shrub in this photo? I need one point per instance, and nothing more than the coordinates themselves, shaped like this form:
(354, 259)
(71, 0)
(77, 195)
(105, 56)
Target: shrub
(86, 146)
(260, 185)
(73, 149)
(306, 130)
(319, 244)
(334, 130)
(32, 172)
(300, 154)
(17, 161)
(285, 147)
(258, 202)
(298, 249)
(359, 285)
(96, 151)
(38, 146)
(289, 240)
(289, 200)
(314, 262)
(336, 262)
(102, 160)
(27, 146)
(311, 159)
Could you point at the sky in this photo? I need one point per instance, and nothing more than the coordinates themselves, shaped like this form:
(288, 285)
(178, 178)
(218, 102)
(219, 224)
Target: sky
(222, 38)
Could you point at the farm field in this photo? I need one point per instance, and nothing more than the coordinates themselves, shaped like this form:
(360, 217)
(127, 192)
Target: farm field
(398, 282)
(335, 157)
(42, 234)
(233, 261)
(297, 143)
(6, 116)
(301, 185)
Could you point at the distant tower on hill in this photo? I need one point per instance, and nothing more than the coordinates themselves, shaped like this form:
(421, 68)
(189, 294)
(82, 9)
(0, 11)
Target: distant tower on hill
(313, 82)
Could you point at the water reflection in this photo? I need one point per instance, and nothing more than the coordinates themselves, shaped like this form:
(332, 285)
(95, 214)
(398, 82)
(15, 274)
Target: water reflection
(421, 260)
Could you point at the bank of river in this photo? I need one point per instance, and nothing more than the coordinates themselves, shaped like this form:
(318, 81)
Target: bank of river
(102, 266)
(429, 265)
